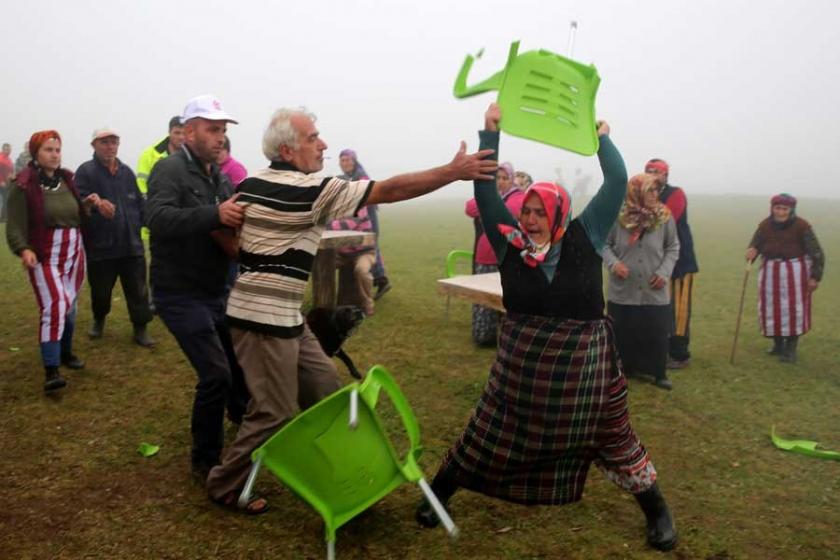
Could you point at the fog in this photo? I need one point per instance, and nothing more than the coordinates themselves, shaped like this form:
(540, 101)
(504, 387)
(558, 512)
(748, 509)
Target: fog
(739, 97)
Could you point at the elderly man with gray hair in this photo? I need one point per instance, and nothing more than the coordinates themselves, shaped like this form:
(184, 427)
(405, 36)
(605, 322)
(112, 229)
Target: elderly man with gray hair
(287, 209)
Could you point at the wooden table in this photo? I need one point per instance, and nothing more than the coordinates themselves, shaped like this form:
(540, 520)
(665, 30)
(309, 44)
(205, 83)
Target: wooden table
(323, 268)
(483, 289)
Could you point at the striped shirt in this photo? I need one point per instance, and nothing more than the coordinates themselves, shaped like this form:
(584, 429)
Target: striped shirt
(286, 212)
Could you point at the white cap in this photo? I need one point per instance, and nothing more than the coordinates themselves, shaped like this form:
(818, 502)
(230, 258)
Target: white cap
(104, 132)
(206, 107)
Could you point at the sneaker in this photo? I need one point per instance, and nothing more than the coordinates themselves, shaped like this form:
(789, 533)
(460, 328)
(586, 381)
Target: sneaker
(678, 364)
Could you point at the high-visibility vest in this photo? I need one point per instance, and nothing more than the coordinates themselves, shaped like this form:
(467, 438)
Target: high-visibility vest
(148, 158)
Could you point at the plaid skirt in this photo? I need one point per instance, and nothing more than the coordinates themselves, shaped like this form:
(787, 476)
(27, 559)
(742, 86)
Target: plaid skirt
(555, 401)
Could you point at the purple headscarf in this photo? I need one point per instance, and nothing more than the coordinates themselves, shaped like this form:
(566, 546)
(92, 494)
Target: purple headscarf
(507, 167)
(358, 171)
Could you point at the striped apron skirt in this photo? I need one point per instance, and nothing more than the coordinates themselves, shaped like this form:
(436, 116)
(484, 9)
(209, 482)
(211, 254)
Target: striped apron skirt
(56, 280)
(555, 401)
(784, 300)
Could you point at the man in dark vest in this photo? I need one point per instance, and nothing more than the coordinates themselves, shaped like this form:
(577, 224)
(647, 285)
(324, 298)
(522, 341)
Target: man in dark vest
(682, 279)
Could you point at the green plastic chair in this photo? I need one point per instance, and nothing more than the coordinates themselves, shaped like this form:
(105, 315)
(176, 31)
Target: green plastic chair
(338, 458)
(453, 257)
(544, 97)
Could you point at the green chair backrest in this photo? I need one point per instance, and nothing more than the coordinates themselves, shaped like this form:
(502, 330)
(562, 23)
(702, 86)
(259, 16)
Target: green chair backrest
(544, 97)
(453, 257)
(338, 470)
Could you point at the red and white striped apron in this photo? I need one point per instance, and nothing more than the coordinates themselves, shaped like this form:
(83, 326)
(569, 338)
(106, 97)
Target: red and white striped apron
(57, 279)
(784, 300)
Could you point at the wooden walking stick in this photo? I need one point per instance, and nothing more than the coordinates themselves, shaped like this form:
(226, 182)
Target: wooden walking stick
(740, 312)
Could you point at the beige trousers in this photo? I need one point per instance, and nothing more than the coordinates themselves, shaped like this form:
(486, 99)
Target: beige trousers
(355, 280)
(284, 376)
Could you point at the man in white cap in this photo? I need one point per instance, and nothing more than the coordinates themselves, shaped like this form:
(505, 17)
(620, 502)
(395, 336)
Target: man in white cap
(112, 236)
(189, 204)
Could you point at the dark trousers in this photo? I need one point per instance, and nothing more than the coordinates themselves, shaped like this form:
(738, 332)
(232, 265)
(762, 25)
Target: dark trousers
(641, 335)
(682, 295)
(102, 275)
(197, 321)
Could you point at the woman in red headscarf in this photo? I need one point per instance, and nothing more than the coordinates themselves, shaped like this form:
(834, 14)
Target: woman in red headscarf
(45, 215)
(791, 268)
(556, 400)
(641, 251)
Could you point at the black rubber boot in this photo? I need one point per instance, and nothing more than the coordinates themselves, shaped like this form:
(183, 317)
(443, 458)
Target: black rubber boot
(72, 361)
(97, 328)
(53, 380)
(661, 533)
(444, 487)
(141, 337)
(778, 347)
(789, 353)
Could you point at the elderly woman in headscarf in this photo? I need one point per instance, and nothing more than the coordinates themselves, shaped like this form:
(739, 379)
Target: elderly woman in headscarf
(641, 251)
(352, 170)
(556, 399)
(44, 230)
(791, 269)
(485, 321)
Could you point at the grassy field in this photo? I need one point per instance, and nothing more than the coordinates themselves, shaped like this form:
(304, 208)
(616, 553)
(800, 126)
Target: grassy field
(73, 485)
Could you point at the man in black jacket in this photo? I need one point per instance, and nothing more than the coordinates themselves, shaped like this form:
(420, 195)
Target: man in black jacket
(112, 236)
(190, 205)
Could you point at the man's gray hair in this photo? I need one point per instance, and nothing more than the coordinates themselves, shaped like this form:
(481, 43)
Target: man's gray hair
(281, 132)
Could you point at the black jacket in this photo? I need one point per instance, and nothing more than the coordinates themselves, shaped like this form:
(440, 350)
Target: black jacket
(118, 237)
(182, 210)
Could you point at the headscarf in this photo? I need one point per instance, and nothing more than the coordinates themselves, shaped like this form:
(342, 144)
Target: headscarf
(783, 199)
(508, 168)
(658, 164)
(358, 172)
(558, 209)
(637, 217)
(35, 142)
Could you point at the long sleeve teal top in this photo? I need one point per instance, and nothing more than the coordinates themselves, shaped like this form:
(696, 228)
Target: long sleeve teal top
(597, 218)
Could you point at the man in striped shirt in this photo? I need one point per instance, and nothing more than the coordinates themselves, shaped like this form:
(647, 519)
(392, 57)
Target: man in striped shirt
(287, 209)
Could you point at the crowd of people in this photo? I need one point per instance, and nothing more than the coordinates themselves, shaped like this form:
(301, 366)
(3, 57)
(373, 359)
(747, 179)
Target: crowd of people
(232, 252)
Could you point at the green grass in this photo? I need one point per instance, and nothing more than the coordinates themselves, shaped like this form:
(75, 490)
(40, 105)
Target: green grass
(73, 485)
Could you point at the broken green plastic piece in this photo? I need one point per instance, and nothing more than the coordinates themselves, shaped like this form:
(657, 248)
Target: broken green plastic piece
(147, 449)
(803, 447)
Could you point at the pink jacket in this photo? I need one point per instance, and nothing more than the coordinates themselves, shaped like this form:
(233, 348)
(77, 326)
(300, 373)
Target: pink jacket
(234, 170)
(483, 251)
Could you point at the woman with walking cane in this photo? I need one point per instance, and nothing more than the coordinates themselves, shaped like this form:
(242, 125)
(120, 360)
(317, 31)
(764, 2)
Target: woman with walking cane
(791, 268)
(556, 399)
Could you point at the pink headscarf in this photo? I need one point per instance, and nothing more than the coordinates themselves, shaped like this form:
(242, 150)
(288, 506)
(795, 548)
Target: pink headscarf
(558, 209)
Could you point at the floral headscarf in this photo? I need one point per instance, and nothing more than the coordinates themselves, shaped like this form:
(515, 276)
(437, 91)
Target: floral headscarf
(558, 209)
(637, 217)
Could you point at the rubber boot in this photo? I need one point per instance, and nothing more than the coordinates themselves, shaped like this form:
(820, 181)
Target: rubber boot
(444, 486)
(789, 353)
(72, 361)
(97, 328)
(778, 347)
(661, 533)
(141, 337)
(53, 380)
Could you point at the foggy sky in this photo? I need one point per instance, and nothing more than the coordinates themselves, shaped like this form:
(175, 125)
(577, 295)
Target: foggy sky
(739, 97)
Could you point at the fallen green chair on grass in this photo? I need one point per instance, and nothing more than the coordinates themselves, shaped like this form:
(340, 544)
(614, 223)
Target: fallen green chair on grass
(338, 458)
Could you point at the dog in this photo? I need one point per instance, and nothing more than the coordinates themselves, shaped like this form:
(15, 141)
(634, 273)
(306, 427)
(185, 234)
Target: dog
(332, 327)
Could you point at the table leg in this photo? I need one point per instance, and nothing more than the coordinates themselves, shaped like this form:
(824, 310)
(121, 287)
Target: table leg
(323, 279)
